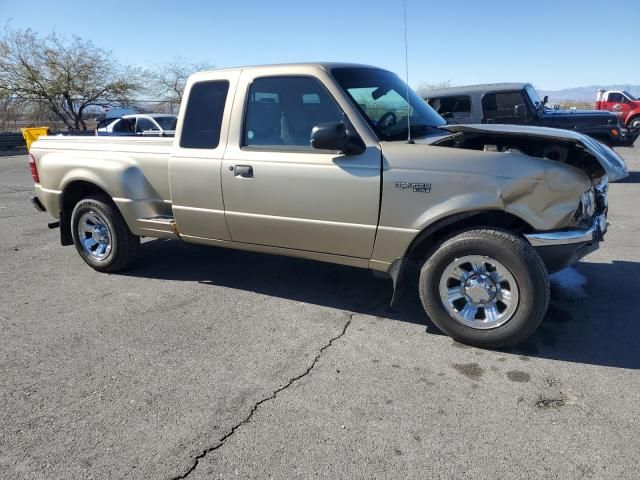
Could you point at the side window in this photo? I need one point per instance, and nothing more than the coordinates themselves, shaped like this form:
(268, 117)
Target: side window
(489, 106)
(615, 97)
(144, 124)
(459, 104)
(282, 111)
(501, 104)
(203, 114)
(124, 125)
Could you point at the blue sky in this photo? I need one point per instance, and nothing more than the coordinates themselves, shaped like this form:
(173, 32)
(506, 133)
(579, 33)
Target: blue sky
(554, 44)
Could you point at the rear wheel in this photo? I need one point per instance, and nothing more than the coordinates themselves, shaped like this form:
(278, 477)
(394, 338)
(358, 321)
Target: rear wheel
(101, 235)
(485, 287)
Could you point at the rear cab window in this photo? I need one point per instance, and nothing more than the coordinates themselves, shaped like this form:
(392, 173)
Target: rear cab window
(203, 114)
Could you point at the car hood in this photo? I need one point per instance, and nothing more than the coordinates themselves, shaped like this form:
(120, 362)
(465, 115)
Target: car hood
(612, 163)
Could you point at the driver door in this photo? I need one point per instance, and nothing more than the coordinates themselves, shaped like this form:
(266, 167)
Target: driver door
(619, 104)
(279, 191)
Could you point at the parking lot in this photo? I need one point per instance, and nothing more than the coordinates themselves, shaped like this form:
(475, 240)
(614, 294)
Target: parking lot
(203, 362)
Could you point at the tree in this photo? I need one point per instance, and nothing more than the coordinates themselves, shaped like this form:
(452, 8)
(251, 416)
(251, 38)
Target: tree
(168, 80)
(68, 75)
(424, 88)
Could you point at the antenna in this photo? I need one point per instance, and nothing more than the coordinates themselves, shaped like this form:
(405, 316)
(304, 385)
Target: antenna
(406, 65)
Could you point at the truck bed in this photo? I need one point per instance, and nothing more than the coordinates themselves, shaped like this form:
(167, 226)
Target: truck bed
(155, 145)
(133, 171)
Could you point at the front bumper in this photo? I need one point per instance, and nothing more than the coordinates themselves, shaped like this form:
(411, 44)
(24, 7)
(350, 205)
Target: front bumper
(561, 248)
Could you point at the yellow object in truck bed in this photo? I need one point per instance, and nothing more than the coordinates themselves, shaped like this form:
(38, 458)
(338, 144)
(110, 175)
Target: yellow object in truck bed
(31, 134)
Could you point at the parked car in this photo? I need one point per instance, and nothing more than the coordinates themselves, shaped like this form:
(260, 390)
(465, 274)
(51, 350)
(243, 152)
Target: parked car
(519, 104)
(320, 161)
(623, 104)
(152, 124)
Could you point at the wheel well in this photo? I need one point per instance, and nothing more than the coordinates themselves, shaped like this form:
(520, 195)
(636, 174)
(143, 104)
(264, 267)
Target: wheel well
(435, 233)
(72, 194)
(76, 191)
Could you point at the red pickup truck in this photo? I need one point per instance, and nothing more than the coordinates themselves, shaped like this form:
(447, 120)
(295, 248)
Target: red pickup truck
(623, 104)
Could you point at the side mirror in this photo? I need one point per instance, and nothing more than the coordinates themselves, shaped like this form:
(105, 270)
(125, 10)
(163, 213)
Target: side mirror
(335, 136)
(520, 111)
(545, 99)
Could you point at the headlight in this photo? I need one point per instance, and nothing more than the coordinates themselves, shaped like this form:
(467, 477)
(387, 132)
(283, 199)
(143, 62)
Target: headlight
(588, 203)
(601, 189)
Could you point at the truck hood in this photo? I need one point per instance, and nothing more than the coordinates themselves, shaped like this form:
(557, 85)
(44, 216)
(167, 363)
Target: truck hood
(612, 163)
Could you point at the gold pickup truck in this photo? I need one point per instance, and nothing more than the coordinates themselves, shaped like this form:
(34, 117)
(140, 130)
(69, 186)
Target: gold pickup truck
(344, 163)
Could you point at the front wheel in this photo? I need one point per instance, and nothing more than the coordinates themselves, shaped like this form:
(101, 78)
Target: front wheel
(101, 235)
(485, 287)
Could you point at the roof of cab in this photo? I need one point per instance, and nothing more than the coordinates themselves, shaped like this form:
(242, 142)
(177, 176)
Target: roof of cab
(284, 66)
(482, 88)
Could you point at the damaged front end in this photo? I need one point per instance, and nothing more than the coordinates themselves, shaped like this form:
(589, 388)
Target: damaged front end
(564, 146)
(561, 247)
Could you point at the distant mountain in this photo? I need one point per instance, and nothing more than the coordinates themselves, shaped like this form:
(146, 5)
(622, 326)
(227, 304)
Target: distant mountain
(585, 94)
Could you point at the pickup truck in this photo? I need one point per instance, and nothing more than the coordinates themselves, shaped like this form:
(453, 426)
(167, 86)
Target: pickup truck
(344, 163)
(520, 104)
(623, 104)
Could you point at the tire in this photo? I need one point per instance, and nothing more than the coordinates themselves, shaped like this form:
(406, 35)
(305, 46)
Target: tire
(634, 123)
(101, 235)
(513, 272)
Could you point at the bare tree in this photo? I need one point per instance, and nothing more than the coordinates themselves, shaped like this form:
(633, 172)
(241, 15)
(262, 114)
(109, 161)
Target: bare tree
(168, 80)
(424, 88)
(68, 75)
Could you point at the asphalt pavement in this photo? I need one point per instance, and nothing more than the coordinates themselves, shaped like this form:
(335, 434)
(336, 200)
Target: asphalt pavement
(201, 362)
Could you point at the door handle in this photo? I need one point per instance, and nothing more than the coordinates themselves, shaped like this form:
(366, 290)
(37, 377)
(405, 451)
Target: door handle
(244, 171)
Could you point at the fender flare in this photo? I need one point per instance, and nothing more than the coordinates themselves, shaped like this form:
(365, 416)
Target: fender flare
(398, 267)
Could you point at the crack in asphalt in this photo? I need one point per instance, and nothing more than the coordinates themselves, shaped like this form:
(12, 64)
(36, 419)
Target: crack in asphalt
(246, 420)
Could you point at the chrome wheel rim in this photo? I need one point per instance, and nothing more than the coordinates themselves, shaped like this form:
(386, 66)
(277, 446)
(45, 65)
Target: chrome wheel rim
(479, 292)
(94, 235)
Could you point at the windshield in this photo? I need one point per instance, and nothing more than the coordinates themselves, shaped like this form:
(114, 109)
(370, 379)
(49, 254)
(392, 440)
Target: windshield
(382, 97)
(166, 123)
(533, 95)
(629, 96)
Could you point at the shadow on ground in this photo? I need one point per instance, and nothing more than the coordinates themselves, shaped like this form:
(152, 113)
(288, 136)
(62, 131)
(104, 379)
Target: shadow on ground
(599, 327)
(634, 177)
